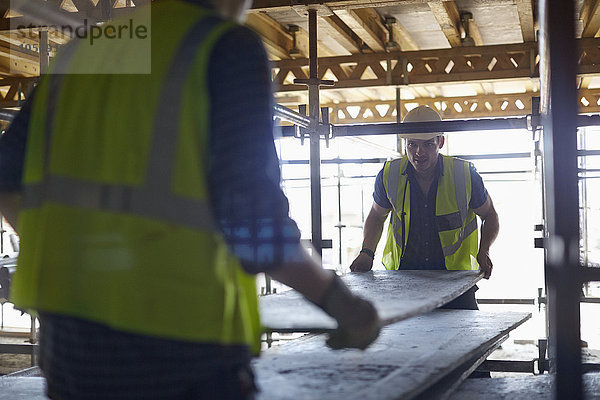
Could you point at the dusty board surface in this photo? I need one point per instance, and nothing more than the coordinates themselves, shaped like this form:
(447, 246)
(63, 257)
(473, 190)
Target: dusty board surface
(22, 388)
(527, 387)
(397, 295)
(403, 362)
(448, 384)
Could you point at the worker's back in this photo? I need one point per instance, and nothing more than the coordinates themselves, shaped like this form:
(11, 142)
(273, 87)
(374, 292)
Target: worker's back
(115, 190)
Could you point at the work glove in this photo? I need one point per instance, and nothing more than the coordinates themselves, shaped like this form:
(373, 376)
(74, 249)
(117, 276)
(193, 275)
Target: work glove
(358, 322)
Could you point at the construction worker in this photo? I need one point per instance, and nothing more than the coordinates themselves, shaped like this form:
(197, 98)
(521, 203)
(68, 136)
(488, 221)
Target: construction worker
(433, 200)
(147, 202)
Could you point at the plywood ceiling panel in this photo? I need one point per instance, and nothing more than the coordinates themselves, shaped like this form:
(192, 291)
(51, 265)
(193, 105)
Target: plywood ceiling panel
(420, 23)
(498, 21)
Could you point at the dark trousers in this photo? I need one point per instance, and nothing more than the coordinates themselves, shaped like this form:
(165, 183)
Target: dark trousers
(85, 360)
(466, 301)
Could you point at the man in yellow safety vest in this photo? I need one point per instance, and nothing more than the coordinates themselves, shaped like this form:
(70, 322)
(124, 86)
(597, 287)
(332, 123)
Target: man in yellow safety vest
(433, 201)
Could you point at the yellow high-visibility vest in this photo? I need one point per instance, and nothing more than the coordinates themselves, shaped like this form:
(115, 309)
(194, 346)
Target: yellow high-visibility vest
(116, 226)
(457, 223)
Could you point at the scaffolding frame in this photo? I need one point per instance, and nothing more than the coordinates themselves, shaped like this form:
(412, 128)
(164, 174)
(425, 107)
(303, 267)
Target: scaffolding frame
(564, 273)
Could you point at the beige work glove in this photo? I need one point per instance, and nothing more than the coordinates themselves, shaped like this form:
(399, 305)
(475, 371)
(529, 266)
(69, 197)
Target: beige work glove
(358, 322)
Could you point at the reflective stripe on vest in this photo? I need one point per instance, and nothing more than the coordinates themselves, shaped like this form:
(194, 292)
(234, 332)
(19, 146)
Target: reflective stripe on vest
(155, 198)
(393, 181)
(463, 233)
(460, 190)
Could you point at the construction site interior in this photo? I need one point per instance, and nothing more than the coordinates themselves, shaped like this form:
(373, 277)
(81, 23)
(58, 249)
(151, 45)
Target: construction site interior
(491, 69)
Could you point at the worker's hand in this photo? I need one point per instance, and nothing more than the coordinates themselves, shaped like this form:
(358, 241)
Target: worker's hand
(358, 322)
(485, 264)
(362, 263)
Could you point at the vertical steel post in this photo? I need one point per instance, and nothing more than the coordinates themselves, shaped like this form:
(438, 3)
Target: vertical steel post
(44, 54)
(398, 106)
(398, 119)
(340, 225)
(558, 68)
(315, 141)
(105, 7)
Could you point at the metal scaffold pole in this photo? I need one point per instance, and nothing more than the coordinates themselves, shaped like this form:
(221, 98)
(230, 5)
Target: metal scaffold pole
(316, 126)
(558, 68)
(315, 150)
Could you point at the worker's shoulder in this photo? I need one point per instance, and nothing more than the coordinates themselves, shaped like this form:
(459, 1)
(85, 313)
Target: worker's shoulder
(240, 42)
(239, 35)
(453, 158)
(397, 160)
(472, 169)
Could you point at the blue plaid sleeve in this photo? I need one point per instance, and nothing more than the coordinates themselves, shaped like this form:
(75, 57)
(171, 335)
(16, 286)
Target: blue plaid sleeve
(244, 175)
(12, 149)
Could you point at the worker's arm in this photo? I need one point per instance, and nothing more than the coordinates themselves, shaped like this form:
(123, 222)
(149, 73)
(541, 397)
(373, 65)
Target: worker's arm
(489, 231)
(371, 235)
(10, 204)
(12, 161)
(245, 192)
(358, 322)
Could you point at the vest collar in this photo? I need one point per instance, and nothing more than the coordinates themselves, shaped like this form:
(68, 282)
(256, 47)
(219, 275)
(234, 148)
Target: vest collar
(409, 170)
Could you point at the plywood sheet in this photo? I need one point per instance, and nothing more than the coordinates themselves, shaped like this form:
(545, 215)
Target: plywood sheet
(408, 358)
(527, 387)
(22, 388)
(448, 384)
(397, 295)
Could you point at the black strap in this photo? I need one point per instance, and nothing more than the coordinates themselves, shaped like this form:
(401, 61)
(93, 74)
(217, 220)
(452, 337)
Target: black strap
(402, 214)
(368, 252)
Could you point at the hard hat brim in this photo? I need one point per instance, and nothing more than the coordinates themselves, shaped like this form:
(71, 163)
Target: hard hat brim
(420, 136)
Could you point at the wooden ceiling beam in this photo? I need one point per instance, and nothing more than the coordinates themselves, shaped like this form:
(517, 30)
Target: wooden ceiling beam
(86, 10)
(403, 38)
(590, 16)
(459, 64)
(14, 90)
(279, 40)
(285, 5)
(447, 15)
(303, 41)
(475, 33)
(366, 23)
(4, 7)
(341, 33)
(84, 6)
(480, 106)
(275, 37)
(525, 10)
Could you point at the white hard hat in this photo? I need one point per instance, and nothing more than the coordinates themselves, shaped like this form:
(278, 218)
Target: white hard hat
(421, 114)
